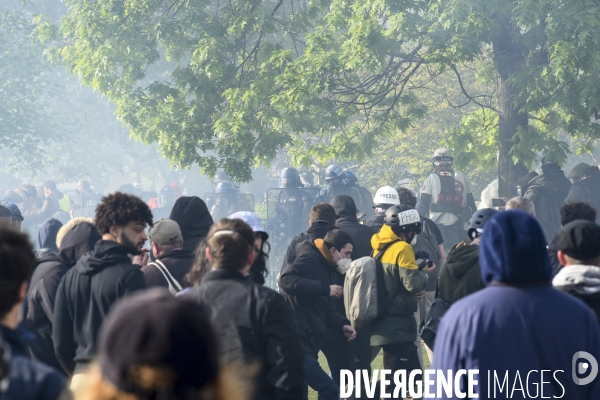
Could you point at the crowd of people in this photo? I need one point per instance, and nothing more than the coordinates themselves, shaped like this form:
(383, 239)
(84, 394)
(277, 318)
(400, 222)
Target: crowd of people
(126, 305)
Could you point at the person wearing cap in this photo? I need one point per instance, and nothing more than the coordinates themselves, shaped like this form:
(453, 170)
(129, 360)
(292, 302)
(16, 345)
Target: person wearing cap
(258, 271)
(156, 346)
(16, 216)
(172, 262)
(385, 197)
(569, 212)
(586, 185)
(579, 254)
(519, 326)
(252, 321)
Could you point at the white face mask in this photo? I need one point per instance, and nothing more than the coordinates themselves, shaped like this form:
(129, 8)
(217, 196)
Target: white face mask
(343, 265)
(414, 241)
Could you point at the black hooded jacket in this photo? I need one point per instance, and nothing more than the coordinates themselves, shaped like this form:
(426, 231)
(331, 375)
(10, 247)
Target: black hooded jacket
(194, 220)
(376, 221)
(345, 210)
(587, 190)
(460, 275)
(85, 297)
(305, 286)
(317, 230)
(43, 287)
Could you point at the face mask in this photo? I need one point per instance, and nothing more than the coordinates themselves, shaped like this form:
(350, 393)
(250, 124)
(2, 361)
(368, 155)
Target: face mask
(413, 241)
(343, 264)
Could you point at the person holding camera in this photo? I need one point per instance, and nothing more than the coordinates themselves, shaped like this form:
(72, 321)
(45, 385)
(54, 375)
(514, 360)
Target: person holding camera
(395, 329)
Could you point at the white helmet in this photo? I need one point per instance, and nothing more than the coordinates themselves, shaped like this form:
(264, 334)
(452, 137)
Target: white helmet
(443, 162)
(386, 195)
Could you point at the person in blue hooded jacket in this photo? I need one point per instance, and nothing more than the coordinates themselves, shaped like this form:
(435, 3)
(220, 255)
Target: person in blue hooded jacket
(519, 327)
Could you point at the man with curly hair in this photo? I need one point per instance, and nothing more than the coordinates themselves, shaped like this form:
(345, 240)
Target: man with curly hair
(100, 278)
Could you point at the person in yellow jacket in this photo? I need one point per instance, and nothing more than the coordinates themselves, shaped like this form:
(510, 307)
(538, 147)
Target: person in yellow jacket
(64, 201)
(395, 330)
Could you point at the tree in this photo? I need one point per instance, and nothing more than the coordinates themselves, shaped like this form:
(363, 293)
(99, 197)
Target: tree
(541, 58)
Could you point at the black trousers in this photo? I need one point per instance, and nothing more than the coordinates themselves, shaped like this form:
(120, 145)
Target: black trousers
(398, 356)
(339, 353)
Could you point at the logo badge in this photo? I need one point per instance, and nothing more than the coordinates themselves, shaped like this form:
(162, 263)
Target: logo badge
(581, 368)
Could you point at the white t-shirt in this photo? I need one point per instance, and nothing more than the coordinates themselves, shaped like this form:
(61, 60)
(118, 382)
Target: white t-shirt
(433, 187)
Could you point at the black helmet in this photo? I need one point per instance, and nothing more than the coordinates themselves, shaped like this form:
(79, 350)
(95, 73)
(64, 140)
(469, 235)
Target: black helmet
(478, 220)
(334, 172)
(403, 218)
(351, 176)
(290, 178)
(226, 187)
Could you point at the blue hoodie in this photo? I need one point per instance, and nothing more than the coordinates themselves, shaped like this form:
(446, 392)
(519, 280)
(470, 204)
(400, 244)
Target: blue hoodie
(519, 323)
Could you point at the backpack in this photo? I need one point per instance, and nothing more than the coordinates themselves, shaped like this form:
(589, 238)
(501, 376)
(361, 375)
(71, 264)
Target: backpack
(174, 286)
(364, 290)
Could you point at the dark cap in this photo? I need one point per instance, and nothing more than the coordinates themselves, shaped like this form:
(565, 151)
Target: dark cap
(578, 171)
(579, 240)
(156, 329)
(165, 231)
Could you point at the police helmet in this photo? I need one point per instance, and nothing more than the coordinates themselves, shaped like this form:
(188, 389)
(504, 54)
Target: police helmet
(478, 220)
(290, 178)
(334, 172)
(403, 218)
(221, 176)
(226, 187)
(351, 177)
(386, 195)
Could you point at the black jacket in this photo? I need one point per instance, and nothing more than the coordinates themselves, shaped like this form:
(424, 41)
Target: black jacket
(305, 285)
(587, 190)
(563, 185)
(194, 220)
(376, 221)
(317, 230)
(547, 199)
(85, 297)
(43, 287)
(253, 324)
(460, 275)
(347, 222)
(29, 380)
(178, 262)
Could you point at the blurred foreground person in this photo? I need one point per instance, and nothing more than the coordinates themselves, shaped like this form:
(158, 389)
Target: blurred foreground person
(252, 322)
(519, 323)
(100, 278)
(579, 254)
(258, 271)
(17, 218)
(43, 287)
(27, 379)
(194, 220)
(154, 346)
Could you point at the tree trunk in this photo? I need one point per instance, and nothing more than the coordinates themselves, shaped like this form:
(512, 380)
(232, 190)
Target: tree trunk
(509, 58)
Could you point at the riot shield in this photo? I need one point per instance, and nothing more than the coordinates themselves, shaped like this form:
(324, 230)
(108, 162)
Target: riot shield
(288, 212)
(89, 212)
(221, 205)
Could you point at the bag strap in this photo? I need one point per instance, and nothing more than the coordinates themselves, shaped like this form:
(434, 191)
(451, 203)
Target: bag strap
(174, 286)
(380, 253)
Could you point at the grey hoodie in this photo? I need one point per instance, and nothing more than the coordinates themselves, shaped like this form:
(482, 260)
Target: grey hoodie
(581, 281)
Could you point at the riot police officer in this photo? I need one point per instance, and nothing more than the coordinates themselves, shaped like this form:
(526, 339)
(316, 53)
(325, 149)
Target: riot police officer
(166, 199)
(365, 196)
(338, 185)
(446, 198)
(228, 199)
(292, 204)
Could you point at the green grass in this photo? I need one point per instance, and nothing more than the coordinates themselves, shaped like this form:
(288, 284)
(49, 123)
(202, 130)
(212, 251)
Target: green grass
(376, 364)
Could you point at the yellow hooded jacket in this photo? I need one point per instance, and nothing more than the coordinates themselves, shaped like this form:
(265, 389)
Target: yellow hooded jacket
(403, 281)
